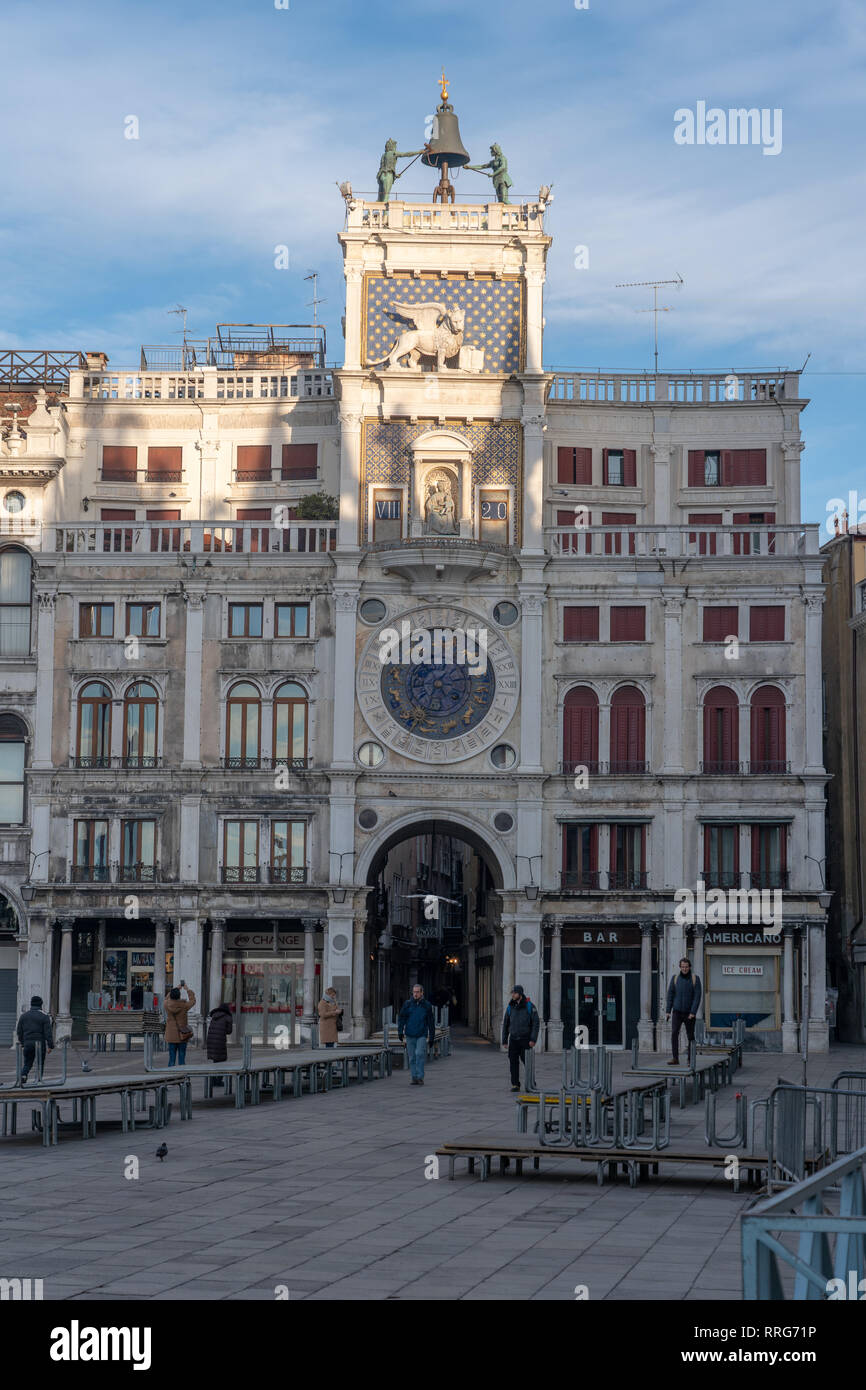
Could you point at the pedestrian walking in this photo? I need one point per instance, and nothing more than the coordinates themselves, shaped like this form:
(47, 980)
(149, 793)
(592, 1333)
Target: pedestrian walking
(330, 1018)
(177, 1030)
(683, 1002)
(34, 1032)
(218, 1029)
(416, 1021)
(519, 1031)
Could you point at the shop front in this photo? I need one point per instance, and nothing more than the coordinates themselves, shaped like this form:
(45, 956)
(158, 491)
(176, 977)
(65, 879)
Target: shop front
(265, 987)
(743, 979)
(599, 985)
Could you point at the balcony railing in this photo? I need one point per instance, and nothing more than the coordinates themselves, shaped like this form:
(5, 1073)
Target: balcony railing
(247, 873)
(127, 762)
(90, 873)
(627, 879)
(720, 767)
(571, 765)
(274, 475)
(286, 874)
(629, 767)
(721, 878)
(588, 879)
(611, 880)
(189, 537)
(473, 213)
(768, 767)
(141, 475)
(599, 543)
(769, 878)
(139, 873)
(206, 383)
(680, 388)
(265, 764)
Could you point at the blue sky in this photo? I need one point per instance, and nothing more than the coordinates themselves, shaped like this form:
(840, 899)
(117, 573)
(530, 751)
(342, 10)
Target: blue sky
(249, 114)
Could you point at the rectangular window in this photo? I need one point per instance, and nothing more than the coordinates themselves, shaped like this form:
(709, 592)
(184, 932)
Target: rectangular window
(142, 620)
(619, 467)
(96, 620)
(704, 468)
(11, 782)
(292, 620)
(613, 544)
(164, 464)
(164, 538)
(288, 851)
(744, 467)
(628, 856)
(574, 466)
(138, 838)
(300, 461)
(580, 624)
(119, 463)
(254, 463)
(767, 623)
(240, 851)
(91, 851)
(769, 856)
(245, 620)
(14, 603)
(722, 856)
(755, 542)
(119, 538)
(580, 856)
(721, 623)
(259, 537)
(627, 624)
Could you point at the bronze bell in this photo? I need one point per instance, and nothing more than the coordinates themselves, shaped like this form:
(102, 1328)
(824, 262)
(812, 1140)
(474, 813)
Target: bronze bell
(446, 147)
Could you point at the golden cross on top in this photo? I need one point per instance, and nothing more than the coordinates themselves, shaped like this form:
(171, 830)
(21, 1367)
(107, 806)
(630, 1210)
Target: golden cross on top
(444, 86)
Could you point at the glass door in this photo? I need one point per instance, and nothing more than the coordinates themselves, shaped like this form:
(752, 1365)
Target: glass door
(611, 1012)
(594, 1002)
(587, 1007)
(283, 977)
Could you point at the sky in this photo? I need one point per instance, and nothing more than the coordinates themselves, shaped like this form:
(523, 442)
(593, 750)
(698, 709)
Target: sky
(247, 115)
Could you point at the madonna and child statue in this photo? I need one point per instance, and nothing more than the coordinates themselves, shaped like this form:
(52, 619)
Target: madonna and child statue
(439, 509)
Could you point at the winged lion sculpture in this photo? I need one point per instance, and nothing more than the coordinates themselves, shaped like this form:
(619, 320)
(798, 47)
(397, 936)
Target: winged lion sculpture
(438, 332)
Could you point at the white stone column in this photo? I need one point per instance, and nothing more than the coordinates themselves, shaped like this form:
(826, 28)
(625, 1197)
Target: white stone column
(190, 941)
(668, 952)
(813, 752)
(45, 684)
(194, 600)
(190, 821)
(359, 1029)
(346, 603)
(349, 531)
(160, 936)
(22, 981)
(64, 995)
(534, 281)
(508, 977)
(554, 1023)
(789, 1022)
(310, 1015)
(661, 483)
(217, 947)
(354, 312)
(673, 686)
(533, 483)
(37, 975)
(528, 962)
(531, 699)
(645, 1039)
(819, 1030)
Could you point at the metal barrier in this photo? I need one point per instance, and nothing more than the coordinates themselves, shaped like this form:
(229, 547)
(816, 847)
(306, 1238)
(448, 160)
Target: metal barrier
(738, 1139)
(815, 1264)
(588, 1067)
(838, 1127)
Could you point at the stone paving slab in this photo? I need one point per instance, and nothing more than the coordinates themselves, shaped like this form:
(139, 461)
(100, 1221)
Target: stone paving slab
(327, 1195)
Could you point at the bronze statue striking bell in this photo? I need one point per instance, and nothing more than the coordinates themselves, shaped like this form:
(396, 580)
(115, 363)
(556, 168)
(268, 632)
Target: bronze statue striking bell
(446, 147)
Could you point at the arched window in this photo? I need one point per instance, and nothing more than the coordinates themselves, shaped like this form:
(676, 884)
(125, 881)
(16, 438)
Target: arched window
(768, 730)
(291, 710)
(94, 726)
(627, 730)
(140, 724)
(721, 732)
(14, 602)
(13, 750)
(243, 726)
(580, 730)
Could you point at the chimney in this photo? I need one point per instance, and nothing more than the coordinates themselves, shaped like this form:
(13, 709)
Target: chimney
(96, 361)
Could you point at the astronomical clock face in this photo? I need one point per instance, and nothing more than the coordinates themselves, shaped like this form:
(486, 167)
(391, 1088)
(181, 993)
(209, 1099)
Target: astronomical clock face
(420, 698)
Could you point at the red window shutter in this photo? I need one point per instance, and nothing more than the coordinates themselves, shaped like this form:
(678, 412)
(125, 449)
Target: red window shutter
(756, 468)
(163, 514)
(580, 625)
(254, 463)
(580, 543)
(628, 624)
(721, 729)
(580, 728)
(300, 460)
(119, 462)
(165, 463)
(720, 623)
(696, 475)
(254, 514)
(768, 729)
(613, 544)
(164, 538)
(629, 467)
(767, 623)
(117, 514)
(573, 465)
(627, 732)
(564, 465)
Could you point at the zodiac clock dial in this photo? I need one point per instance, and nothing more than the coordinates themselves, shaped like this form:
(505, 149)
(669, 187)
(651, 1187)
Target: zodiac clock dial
(433, 710)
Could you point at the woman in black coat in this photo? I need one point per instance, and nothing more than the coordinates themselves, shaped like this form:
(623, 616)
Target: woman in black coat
(219, 1027)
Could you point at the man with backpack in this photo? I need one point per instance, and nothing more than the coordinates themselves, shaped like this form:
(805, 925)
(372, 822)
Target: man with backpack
(683, 1002)
(519, 1031)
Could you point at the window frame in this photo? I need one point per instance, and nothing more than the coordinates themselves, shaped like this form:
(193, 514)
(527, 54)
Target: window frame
(246, 635)
(289, 872)
(245, 873)
(92, 701)
(133, 871)
(93, 609)
(77, 866)
(150, 604)
(303, 603)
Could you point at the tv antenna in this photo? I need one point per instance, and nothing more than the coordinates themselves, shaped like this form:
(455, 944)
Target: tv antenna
(315, 301)
(656, 308)
(181, 310)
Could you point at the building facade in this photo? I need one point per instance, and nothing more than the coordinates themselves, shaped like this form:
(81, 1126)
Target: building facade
(219, 751)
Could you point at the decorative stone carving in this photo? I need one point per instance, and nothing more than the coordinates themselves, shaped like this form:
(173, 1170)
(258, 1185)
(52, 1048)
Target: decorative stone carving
(346, 600)
(437, 332)
(440, 513)
(47, 602)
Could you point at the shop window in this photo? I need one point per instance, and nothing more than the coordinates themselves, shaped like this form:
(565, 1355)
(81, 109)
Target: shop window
(721, 732)
(291, 714)
(243, 725)
(14, 603)
(142, 619)
(743, 985)
(140, 718)
(93, 747)
(288, 851)
(768, 731)
(721, 856)
(627, 731)
(13, 750)
(580, 730)
(580, 856)
(138, 839)
(90, 864)
(96, 620)
(245, 620)
(292, 620)
(240, 851)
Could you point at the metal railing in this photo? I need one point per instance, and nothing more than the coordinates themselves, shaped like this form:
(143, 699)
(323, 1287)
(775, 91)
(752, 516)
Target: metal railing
(808, 1125)
(826, 1215)
(611, 880)
(32, 369)
(255, 764)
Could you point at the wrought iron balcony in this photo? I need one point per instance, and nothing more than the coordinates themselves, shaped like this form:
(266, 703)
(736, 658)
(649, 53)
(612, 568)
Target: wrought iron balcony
(139, 873)
(588, 879)
(265, 764)
(285, 874)
(721, 878)
(766, 767)
(245, 873)
(720, 767)
(769, 878)
(627, 879)
(90, 873)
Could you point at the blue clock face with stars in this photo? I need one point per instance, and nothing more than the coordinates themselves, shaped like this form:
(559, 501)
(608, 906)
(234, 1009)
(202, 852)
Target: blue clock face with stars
(437, 702)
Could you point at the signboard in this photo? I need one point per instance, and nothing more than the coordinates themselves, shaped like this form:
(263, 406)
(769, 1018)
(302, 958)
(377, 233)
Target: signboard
(601, 936)
(742, 969)
(263, 941)
(716, 936)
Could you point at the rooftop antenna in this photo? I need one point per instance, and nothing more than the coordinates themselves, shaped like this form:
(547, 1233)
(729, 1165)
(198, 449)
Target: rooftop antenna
(656, 309)
(315, 301)
(181, 310)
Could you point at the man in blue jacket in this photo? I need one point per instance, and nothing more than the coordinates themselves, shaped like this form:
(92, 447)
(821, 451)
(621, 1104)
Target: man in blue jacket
(416, 1021)
(683, 1002)
(519, 1031)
